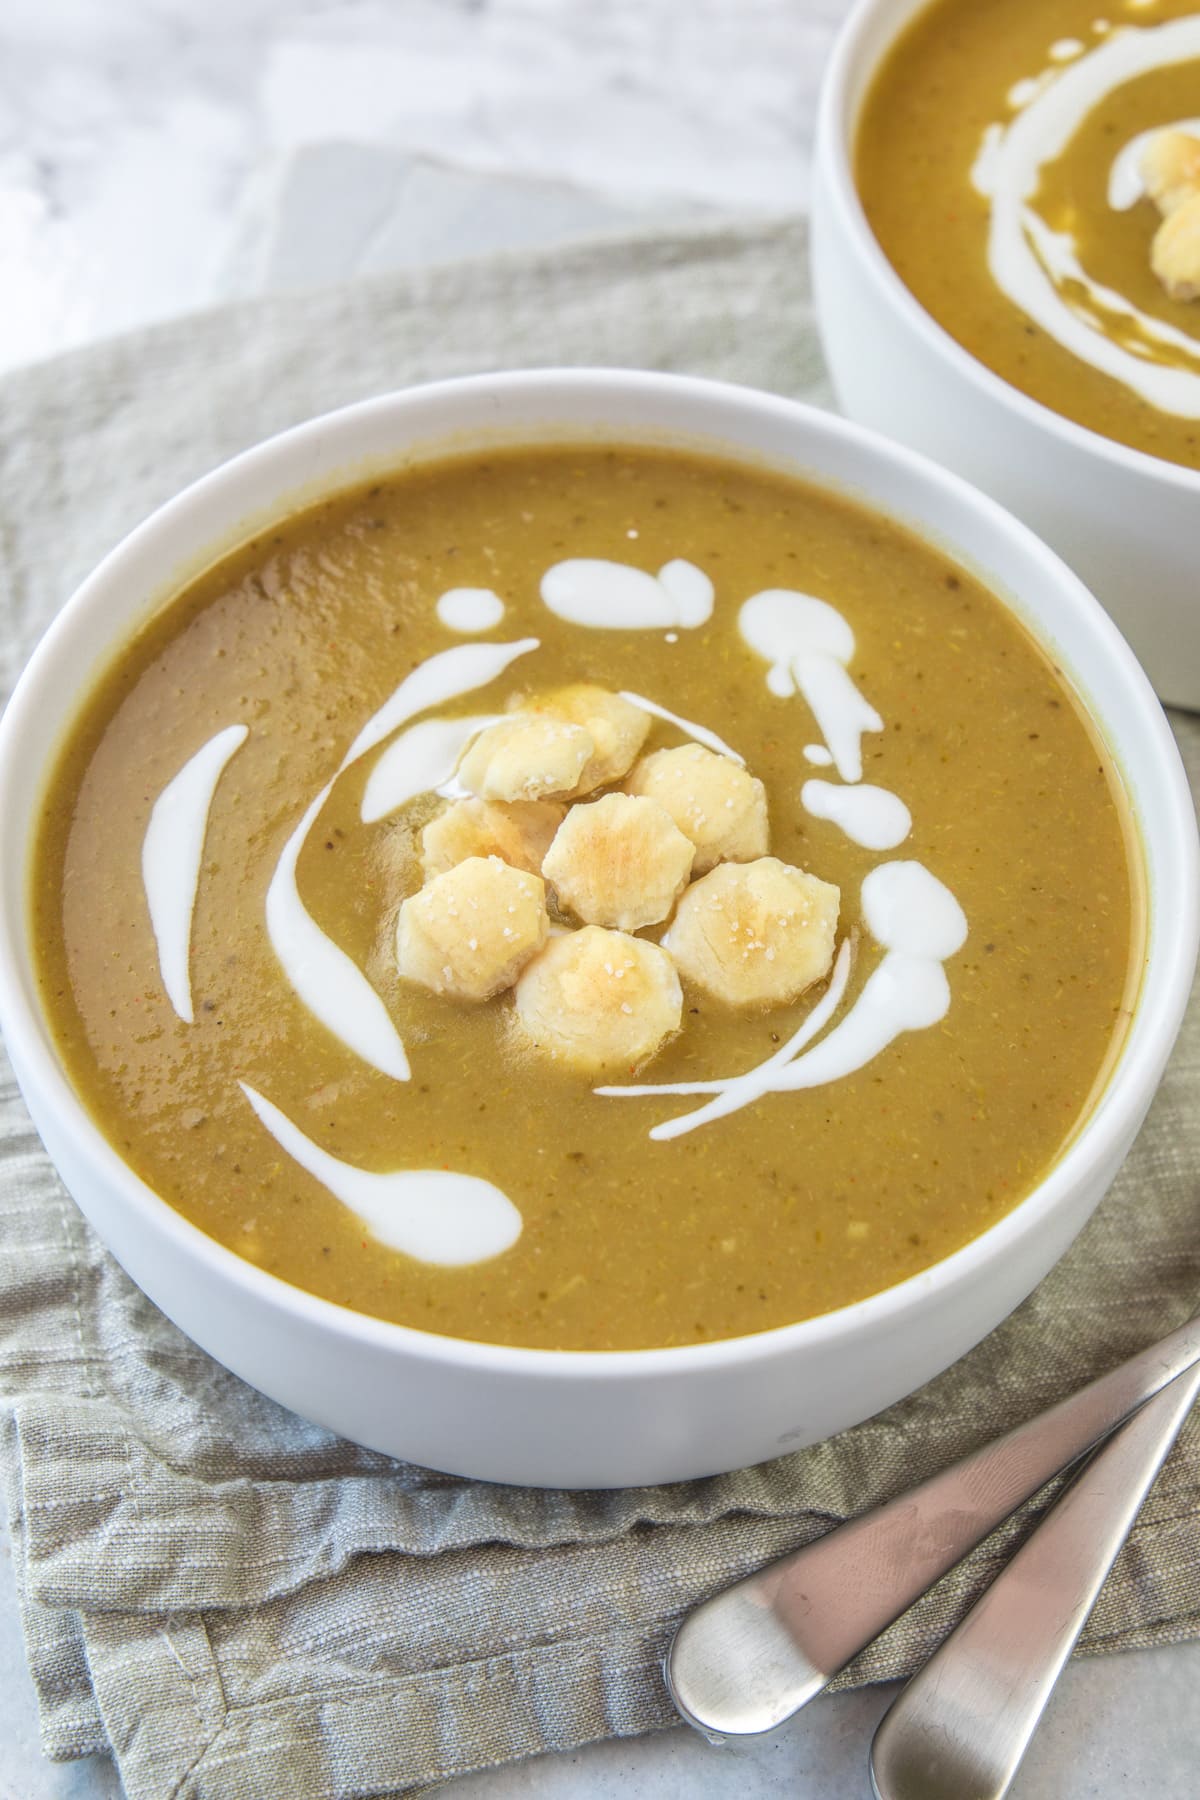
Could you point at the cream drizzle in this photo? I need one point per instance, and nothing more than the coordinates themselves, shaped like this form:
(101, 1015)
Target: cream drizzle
(171, 853)
(700, 733)
(617, 596)
(1057, 251)
(919, 924)
(1024, 92)
(328, 982)
(418, 761)
(438, 679)
(433, 1215)
(469, 609)
(742, 1090)
(808, 643)
(1032, 264)
(871, 816)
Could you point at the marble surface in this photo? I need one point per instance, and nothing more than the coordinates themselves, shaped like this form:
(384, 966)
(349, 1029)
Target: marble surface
(156, 156)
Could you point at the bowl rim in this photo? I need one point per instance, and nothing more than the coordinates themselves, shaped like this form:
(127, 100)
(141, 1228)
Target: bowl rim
(1173, 930)
(870, 32)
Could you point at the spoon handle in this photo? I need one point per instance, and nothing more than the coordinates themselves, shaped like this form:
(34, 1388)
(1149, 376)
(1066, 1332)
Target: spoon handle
(963, 1723)
(746, 1660)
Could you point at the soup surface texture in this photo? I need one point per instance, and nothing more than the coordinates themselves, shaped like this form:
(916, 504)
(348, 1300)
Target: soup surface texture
(288, 715)
(999, 160)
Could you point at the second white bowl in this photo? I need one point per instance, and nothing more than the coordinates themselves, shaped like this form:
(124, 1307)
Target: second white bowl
(1125, 521)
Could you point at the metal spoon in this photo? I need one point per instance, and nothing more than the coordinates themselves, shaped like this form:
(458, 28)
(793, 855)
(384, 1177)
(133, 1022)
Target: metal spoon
(749, 1658)
(962, 1725)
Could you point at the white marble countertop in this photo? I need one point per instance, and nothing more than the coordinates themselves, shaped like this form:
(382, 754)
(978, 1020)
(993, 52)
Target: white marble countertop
(156, 156)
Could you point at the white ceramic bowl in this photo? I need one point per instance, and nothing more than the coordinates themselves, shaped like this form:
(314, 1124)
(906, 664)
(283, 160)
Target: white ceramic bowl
(564, 1418)
(1127, 522)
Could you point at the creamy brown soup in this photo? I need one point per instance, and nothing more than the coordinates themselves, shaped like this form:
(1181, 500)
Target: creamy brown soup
(879, 693)
(1000, 162)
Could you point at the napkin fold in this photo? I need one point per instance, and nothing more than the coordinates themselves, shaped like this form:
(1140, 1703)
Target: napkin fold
(231, 1601)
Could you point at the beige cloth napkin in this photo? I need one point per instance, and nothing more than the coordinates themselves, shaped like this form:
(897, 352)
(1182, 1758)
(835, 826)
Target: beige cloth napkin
(234, 1603)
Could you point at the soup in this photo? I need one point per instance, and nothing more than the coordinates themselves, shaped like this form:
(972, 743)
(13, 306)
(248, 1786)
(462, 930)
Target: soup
(299, 777)
(1011, 159)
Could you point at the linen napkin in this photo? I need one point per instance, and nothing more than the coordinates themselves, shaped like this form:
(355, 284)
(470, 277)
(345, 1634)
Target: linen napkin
(232, 1602)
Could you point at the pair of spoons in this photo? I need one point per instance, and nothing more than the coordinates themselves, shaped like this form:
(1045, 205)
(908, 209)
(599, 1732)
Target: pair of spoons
(746, 1660)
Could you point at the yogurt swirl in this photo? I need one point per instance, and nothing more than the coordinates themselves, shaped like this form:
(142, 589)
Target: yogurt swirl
(1039, 268)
